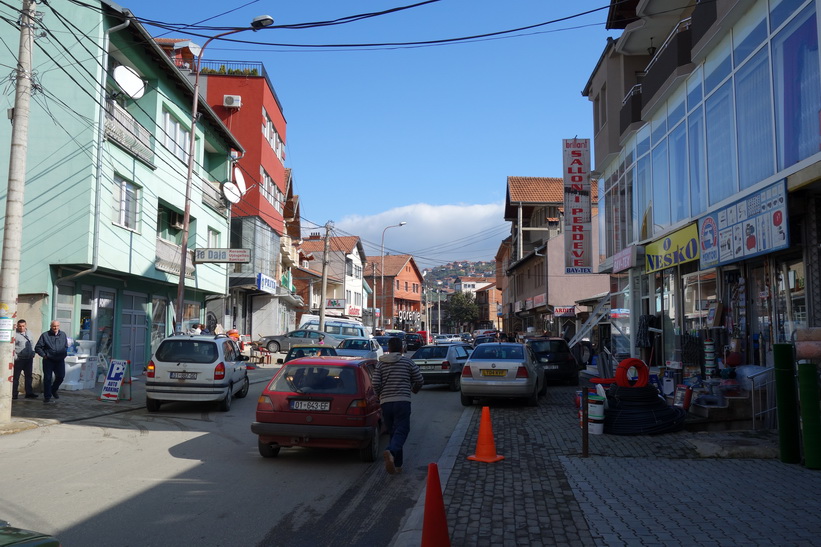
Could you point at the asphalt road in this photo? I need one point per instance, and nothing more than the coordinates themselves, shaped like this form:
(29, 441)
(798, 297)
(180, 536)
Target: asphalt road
(191, 475)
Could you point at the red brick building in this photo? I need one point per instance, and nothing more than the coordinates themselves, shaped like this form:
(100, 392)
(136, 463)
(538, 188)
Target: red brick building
(400, 300)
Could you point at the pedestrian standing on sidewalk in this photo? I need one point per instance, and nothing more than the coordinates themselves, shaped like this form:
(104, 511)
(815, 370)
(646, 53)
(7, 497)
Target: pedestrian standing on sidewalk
(53, 348)
(23, 360)
(396, 377)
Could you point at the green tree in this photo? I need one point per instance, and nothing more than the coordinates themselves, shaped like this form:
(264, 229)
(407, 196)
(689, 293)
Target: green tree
(462, 309)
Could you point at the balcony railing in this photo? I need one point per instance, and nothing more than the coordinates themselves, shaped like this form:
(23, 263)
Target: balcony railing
(704, 15)
(630, 109)
(122, 128)
(168, 259)
(673, 53)
(211, 195)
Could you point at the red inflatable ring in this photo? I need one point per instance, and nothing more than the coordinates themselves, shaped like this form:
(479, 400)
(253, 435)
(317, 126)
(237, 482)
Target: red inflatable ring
(641, 369)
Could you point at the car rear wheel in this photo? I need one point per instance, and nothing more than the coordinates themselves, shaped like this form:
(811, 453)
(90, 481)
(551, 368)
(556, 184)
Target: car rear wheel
(455, 383)
(466, 401)
(544, 388)
(246, 385)
(273, 347)
(533, 400)
(225, 404)
(371, 452)
(152, 405)
(268, 450)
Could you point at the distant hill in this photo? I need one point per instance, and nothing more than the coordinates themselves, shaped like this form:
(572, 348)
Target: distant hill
(447, 272)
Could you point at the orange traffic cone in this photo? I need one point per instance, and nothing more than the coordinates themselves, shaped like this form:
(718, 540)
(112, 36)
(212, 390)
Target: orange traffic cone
(485, 445)
(435, 524)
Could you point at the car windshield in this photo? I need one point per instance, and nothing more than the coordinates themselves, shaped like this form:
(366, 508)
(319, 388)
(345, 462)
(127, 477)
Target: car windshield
(549, 346)
(187, 351)
(498, 351)
(431, 352)
(354, 344)
(331, 379)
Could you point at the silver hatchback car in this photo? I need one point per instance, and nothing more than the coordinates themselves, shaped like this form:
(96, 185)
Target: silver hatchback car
(502, 370)
(200, 368)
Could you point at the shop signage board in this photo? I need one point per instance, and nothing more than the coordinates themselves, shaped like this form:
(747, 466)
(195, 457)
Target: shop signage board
(625, 259)
(578, 235)
(752, 226)
(677, 248)
(118, 371)
(205, 256)
(266, 283)
(539, 300)
(564, 311)
(334, 303)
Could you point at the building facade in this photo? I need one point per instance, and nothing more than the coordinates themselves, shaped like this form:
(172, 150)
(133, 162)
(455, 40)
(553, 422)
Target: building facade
(708, 144)
(397, 291)
(346, 262)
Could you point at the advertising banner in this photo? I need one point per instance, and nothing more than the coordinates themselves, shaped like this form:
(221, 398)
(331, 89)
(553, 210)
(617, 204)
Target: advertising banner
(749, 227)
(564, 311)
(266, 283)
(578, 244)
(677, 248)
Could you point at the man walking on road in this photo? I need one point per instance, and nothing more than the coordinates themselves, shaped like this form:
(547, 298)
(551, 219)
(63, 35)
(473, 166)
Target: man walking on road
(395, 378)
(53, 348)
(23, 361)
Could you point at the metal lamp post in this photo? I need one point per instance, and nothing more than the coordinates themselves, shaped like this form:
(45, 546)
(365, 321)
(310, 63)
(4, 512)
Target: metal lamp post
(259, 22)
(382, 271)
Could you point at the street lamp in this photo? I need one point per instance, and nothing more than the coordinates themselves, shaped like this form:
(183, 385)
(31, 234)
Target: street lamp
(382, 271)
(257, 23)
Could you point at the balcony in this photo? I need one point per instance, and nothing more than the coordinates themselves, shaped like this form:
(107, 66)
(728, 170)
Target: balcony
(672, 60)
(122, 128)
(211, 195)
(168, 259)
(287, 252)
(704, 15)
(630, 112)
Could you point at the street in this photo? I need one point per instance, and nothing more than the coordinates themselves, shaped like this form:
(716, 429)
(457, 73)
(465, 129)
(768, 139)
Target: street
(192, 475)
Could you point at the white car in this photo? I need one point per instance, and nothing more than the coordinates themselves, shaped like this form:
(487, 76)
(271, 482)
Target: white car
(440, 339)
(367, 348)
(199, 368)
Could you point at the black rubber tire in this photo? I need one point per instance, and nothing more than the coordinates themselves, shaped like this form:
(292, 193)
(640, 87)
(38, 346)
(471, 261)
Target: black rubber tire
(466, 401)
(246, 385)
(533, 400)
(370, 453)
(225, 404)
(455, 383)
(273, 347)
(152, 405)
(268, 450)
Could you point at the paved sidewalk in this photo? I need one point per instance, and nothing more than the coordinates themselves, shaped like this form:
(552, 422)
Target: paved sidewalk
(706, 489)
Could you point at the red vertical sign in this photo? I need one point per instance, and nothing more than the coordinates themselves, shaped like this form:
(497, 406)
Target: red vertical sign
(578, 244)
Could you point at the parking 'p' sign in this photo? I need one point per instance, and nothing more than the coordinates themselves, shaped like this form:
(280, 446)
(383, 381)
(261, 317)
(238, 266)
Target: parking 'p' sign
(117, 372)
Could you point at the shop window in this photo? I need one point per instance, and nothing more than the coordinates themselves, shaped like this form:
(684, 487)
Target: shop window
(791, 299)
(105, 321)
(64, 307)
(699, 292)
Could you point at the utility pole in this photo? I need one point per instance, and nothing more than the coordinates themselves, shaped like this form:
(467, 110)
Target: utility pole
(13, 229)
(328, 226)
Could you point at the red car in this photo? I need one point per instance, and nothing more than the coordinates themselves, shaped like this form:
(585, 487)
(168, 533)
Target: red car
(322, 402)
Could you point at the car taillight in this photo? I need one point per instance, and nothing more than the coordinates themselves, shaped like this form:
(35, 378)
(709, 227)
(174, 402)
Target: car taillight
(466, 371)
(219, 371)
(264, 403)
(358, 407)
(150, 369)
(522, 372)
(445, 365)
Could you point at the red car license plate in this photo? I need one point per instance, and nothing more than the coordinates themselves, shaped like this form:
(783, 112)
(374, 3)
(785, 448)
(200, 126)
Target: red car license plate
(183, 375)
(311, 405)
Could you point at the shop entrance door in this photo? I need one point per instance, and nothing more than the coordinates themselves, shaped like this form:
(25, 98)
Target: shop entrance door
(134, 331)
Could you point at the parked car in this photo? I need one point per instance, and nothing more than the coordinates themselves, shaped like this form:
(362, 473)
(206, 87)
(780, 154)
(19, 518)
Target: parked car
(341, 328)
(320, 402)
(502, 370)
(297, 352)
(441, 364)
(199, 368)
(447, 339)
(466, 337)
(383, 342)
(558, 361)
(401, 334)
(11, 536)
(485, 339)
(367, 348)
(299, 337)
(414, 341)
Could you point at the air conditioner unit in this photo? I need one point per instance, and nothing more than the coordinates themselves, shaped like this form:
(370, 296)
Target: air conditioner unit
(175, 220)
(232, 101)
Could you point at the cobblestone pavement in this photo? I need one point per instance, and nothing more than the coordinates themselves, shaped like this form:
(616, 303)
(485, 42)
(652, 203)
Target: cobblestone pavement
(705, 489)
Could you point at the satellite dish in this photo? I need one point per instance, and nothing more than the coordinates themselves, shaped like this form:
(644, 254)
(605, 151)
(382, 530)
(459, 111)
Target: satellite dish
(239, 180)
(129, 81)
(231, 192)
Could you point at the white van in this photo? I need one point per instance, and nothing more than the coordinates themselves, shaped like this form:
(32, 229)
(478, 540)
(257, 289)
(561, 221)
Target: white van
(338, 326)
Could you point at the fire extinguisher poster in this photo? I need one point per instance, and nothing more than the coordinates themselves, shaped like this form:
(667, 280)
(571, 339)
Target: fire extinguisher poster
(752, 226)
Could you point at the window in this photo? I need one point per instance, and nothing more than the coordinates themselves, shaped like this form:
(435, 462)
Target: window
(754, 121)
(406, 285)
(271, 135)
(175, 137)
(127, 202)
(213, 238)
(721, 163)
(397, 284)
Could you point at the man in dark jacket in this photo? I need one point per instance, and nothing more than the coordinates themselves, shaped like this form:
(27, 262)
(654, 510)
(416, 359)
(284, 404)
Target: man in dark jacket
(53, 348)
(395, 378)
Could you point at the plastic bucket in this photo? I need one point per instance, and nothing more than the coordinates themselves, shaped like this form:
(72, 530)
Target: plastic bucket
(595, 407)
(595, 427)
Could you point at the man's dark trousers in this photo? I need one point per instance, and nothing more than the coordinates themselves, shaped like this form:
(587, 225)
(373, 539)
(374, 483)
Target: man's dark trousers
(58, 369)
(25, 366)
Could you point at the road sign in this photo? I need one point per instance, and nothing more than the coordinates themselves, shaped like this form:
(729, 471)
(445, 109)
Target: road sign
(118, 371)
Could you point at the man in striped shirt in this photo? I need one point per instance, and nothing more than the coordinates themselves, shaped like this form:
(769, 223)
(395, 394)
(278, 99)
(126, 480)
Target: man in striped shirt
(396, 377)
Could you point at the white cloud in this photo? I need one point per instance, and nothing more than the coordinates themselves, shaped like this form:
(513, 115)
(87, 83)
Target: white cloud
(434, 234)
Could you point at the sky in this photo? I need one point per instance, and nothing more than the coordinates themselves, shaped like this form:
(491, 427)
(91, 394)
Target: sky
(421, 134)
